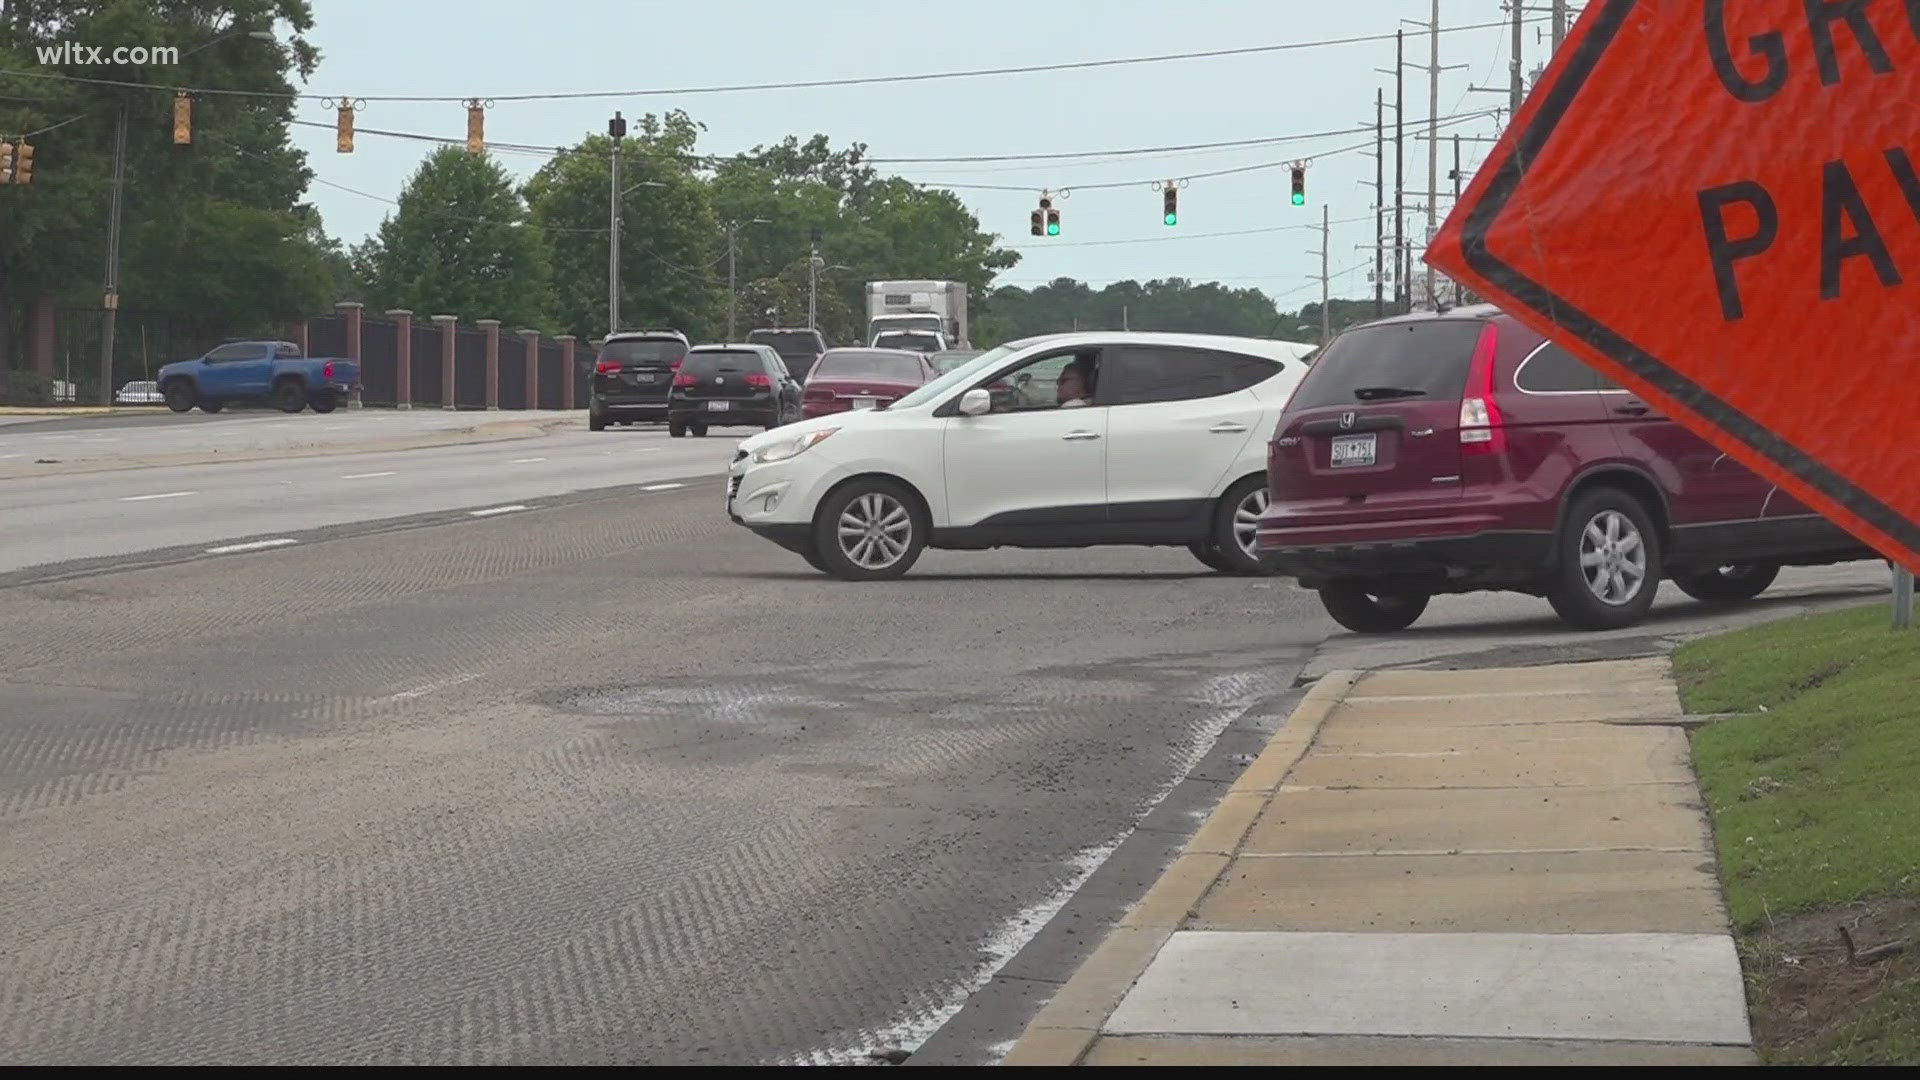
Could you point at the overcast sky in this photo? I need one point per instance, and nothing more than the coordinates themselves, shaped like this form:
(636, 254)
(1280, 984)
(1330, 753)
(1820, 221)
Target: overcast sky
(486, 47)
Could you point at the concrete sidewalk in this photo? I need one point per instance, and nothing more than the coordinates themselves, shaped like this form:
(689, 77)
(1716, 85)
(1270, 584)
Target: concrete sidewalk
(1506, 866)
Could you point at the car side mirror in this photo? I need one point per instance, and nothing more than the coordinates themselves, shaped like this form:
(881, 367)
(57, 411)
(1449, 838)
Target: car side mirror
(976, 402)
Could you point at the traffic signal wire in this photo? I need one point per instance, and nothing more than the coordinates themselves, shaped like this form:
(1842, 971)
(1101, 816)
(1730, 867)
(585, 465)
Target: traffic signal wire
(1052, 244)
(805, 84)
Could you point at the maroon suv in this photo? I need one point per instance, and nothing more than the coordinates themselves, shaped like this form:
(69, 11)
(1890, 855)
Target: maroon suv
(1461, 451)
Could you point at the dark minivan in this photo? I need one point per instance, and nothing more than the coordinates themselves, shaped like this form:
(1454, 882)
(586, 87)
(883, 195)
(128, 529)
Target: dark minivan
(729, 386)
(633, 376)
(801, 349)
(1460, 451)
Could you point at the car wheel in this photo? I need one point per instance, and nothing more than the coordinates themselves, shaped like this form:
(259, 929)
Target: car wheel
(1210, 557)
(812, 555)
(1608, 565)
(676, 429)
(324, 401)
(1366, 609)
(212, 406)
(699, 429)
(289, 396)
(596, 422)
(179, 395)
(1235, 521)
(869, 530)
(1727, 584)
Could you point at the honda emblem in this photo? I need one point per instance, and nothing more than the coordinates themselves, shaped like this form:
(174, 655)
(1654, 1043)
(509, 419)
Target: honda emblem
(1346, 421)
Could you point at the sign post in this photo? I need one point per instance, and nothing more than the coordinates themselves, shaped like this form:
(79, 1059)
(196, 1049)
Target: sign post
(1718, 205)
(1902, 598)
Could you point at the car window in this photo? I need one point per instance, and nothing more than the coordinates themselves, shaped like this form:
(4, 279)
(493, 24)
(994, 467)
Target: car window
(1034, 386)
(643, 351)
(962, 375)
(238, 351)
(1141, 374)
(776, 365)
(869, 364)
(287, 350)
(1429, 358)
(1553, 370)
(708, 363)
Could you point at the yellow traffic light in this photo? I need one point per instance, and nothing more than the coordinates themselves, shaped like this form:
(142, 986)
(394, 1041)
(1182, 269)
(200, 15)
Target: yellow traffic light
(182, 118)
(23, 163)
(476, 127)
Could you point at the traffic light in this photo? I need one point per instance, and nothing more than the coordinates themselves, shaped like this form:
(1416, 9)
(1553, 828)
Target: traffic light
(1171, 202)
(6, 162)
(343, 129)
(182, 118)
(476, 127)
(1052, 216)
(1299, 185)
(1039, 223)
(23, 163)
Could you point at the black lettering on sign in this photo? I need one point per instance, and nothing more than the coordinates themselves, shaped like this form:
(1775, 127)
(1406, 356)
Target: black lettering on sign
(1822, 14)
(1771, 45)
(1841, 196)
(1723, 249)
(1913, 17)
(1902, 167)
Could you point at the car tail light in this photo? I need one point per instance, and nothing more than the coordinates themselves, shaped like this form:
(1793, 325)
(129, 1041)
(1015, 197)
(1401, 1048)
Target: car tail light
(326, 370)
(606, 367)
(684, 380)
(1482, 428)
(758, 380)
(675, 366)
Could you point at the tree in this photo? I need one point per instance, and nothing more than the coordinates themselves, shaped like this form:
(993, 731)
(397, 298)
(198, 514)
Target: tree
(460, 243)
(1173, 305)
(669, 242)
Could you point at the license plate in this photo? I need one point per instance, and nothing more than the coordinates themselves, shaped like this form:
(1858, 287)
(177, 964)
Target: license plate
(1350, 451)
(866, 403)
(719, 406)
(643, 378)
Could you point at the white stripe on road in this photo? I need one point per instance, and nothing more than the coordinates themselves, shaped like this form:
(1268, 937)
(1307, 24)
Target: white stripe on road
(161, 495)
(252, 545)
(366, 475)
(423, 691)
(527, 460)
(648, 450)
(662, 487)
(496, 510)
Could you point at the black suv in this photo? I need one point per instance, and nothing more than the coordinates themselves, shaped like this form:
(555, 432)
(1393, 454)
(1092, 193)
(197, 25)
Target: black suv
(801, 349)
(633, 375)
(732, 385)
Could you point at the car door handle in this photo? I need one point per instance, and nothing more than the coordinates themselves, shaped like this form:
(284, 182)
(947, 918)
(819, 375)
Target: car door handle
(1632, 410)
(1079, 436)
(1228, 429)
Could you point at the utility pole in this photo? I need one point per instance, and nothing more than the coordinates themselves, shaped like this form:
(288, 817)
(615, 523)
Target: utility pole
(1519, 43)
(733, 249)
(1458, 294)
(1433, 143)
(814, 263)
(616, 130)
(1379, 203)
(1326, 245)
(1559, 23)
(1401, 298)
(1124, 325)
(112, 298)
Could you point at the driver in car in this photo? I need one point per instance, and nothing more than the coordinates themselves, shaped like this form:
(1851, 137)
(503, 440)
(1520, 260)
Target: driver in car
(1074, 387)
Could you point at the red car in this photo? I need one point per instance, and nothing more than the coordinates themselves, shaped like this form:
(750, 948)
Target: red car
(862, 379)
(1461, 451)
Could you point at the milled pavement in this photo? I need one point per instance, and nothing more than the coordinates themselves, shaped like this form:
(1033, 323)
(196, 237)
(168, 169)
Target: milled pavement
(1495, 866)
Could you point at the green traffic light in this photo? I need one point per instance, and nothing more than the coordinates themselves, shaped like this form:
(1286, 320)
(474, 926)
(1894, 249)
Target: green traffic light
(1299, 199)
(1053, 228)
(1173, 219)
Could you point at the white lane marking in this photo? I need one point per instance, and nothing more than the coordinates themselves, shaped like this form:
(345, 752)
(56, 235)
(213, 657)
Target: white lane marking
(662, 487)
(495, 510)
(252, 545)
(527, 460)
(648, 450)
(366, 475)
(3, 457)
(423, 691)
(161, 495)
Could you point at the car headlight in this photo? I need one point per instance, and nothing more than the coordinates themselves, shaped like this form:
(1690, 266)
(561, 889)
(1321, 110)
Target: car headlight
(793, 447)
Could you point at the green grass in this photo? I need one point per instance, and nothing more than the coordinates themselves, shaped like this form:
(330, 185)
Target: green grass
(1815, 801)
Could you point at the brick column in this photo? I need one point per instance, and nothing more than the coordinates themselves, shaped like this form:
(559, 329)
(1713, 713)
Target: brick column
(532, 339)
(492, 329)
(447, 324)
(567, 374)
(403, 356)
(350, 310)
(44, 336)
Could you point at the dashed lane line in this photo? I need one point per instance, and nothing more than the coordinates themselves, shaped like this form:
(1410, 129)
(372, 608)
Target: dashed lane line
(252, 545)
(367, 475)
(662, 487)
(491, 510)
(158, 495)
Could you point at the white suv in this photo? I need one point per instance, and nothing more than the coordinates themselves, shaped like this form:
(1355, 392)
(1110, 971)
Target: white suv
(1069, 440)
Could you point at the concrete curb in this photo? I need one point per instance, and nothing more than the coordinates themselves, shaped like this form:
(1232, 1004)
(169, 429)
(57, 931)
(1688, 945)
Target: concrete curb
(504, 431)
(1065, 1029)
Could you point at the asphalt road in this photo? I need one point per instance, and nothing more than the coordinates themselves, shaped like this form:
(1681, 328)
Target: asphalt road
(608, 780)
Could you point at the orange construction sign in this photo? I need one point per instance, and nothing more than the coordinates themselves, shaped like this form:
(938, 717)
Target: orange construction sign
(1717, 203)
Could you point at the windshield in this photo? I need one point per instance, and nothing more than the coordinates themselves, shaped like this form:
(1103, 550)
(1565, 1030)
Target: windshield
(860, 364)
(947, 361)
(787, 342)
(900, 339)
(643, 351)
(961, 375)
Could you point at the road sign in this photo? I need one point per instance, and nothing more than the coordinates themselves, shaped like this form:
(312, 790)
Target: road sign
(1718, 204)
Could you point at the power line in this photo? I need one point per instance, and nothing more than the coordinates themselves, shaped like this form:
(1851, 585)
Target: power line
(1048, 245)
(807, 84)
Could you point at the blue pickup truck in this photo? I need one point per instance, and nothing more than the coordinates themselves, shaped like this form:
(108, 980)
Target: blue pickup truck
(267, 371)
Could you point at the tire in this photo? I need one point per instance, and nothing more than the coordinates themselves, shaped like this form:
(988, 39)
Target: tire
(179, 394)
(676, 429)
(323, 402)
(1364, 611)
(1234, 520)
(289, 396)
(812, 555)
(869, 530)
(1728, 584)
(1210, 557)
(699, 429)
(596, 422)
(1607, 538)
(212, 406)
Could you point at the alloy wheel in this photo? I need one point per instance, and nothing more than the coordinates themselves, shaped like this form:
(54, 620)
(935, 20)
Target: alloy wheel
(875, 530)
(1613, 558)
(1246, 518)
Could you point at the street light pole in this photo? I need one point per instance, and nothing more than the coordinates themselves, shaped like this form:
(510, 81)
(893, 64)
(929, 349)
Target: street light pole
(616, 130)
(733, 247)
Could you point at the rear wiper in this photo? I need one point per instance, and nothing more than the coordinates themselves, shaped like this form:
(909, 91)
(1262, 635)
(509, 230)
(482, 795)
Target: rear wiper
(1381, 393)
